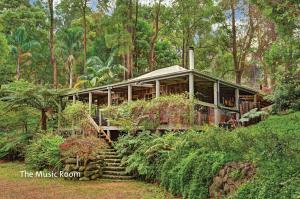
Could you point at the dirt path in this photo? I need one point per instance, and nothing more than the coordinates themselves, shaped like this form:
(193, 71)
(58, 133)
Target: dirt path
(13, 186)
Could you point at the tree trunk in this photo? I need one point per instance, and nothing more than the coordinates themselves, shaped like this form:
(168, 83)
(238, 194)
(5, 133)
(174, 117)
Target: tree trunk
(151, 55)
(83, 10)
(43, 120)
(52, 47)
(234, 45)
(85, 32)
(129, 55)
(183, 52)
(71, 75)
(19, 65)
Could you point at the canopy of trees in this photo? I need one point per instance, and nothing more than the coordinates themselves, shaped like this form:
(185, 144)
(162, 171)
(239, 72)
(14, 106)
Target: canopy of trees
(251, 42)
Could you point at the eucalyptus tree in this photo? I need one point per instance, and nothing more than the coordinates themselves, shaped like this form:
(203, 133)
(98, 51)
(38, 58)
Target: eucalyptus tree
(52, 42)
(70, 44)
(21, 45)
(100, 72)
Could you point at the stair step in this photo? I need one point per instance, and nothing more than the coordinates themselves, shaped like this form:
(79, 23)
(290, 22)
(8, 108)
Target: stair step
(112, 160)
(117, 173)
(112, 164)
(116, 168)
(110, 156)
(117, 177)
(106, 153)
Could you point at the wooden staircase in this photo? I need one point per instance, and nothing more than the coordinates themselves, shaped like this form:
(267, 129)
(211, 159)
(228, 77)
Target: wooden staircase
(113, 168)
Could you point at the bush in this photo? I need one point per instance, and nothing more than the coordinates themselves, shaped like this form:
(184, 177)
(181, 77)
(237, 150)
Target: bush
(185, 163)
(80, 146)
(75, 112)
(43, 152)
(286, 94)
(148, 115)
(12, 145)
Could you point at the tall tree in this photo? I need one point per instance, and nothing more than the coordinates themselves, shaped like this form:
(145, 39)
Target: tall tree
(52, 43)
(21, 46)
(70, 42)
(83, 7)
(154, 36)
(100, 72)
(241, 44)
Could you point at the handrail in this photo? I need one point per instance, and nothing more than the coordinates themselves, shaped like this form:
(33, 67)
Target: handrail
(99, 129)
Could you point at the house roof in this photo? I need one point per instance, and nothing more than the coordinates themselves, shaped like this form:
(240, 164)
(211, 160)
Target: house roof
(159, 72)
(163, 73)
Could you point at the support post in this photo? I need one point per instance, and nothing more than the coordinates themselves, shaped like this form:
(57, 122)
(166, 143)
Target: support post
(74, 99)
(157, 88)
(109, 96)
(237, 102)
(59, 113)
(108, 131)
(216, 103)
(100, 117)
(129, 93)
(255, 99)
(191, 86)
(90, 102)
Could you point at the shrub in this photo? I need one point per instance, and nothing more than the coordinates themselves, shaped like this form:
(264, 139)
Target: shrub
(75, 112)
(286, 94)
(80, 146)
(12, 145)
(185, 163)
(148, 115)
(43, 152)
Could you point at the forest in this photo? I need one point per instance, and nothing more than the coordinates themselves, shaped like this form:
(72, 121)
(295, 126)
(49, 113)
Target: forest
(86, 43)
(51, 48)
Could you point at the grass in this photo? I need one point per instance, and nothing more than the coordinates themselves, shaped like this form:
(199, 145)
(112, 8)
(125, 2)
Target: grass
(14, 186)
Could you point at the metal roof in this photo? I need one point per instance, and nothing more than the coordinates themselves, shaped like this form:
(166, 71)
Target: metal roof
(164, 73)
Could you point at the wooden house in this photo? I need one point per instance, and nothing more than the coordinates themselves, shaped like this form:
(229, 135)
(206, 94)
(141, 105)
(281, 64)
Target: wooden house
(219, 100)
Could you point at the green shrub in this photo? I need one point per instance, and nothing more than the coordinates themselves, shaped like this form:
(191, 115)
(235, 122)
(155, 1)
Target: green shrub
(185, 163)
(43, 152)
(12, 145)
(74, 112)
(286, 94)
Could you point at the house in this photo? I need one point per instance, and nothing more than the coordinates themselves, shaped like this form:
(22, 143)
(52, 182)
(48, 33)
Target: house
(220, 100)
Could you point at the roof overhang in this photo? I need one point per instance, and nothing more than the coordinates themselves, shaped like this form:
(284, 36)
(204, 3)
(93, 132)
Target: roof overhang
(146, 80)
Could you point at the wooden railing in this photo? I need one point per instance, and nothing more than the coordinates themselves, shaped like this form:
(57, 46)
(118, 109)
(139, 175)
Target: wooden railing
(100, 130)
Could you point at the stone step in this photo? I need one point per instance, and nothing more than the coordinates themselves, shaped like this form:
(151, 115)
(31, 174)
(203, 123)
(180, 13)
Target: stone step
(112, 160)
(116, 173)
(110, 156)
(110, 149)
(112, 164)
(109, 153)
(117, 177)
(116, 168)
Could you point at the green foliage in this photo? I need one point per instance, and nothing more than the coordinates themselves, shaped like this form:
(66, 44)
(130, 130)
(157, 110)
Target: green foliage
(185, 163)
(12, 145)
(252, 114)
(147, 114)
(75, 112)
(4, 50)
(287, 93)
(99, 72)
(43, 152)
(20, 94)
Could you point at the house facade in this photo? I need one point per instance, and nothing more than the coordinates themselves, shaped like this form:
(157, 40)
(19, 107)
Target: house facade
(218, 100)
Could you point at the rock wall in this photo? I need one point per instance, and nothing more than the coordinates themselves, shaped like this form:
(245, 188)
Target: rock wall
(229, 178)
(90, 168)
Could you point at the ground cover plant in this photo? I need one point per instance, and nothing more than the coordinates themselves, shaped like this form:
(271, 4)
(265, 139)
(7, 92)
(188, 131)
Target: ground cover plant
(185, 163)
(43, 153)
